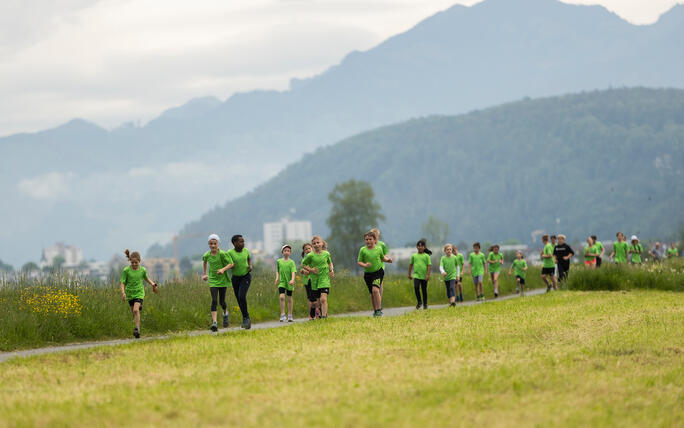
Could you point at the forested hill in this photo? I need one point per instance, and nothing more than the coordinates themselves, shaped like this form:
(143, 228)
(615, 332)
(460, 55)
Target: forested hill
(592, 162)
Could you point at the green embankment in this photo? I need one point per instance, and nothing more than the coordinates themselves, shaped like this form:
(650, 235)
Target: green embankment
(562, 359)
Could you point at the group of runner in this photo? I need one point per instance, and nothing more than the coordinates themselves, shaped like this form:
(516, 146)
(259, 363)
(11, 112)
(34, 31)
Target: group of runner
(317, 270)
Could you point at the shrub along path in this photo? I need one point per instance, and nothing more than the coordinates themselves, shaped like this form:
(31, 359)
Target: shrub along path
(4, 356)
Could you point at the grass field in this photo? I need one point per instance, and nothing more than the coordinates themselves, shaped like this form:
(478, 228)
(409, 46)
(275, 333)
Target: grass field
(61, 309)
(560, 359)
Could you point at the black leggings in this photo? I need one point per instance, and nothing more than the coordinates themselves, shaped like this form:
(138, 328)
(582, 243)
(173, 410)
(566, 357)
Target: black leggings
(240, 288)
(218, 294)
(418, 285)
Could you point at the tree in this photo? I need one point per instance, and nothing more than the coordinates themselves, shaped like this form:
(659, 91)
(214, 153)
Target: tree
(354, 211)
(29, 267)
(435, 231)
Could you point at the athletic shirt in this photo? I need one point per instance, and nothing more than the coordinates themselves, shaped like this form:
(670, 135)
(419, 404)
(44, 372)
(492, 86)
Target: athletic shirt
(548, 262)
(560, 251)
(518, 266)
(495, 267)
(477, 263)
(319, 261)
(241, 267)
(374, 256)
(385, 250)
(590, 253)
(420, 264)
(133, 282)
(216, 262)
(285, 270)
(672, 252)
(459, 262)
(450, 267)
(599, 245)
(620, 249)
(636, 256)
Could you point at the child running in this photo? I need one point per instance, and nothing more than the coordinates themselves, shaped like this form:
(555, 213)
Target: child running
(242, 278)
(371, 258)
(620, 248)
(306, 249)
(591, 252)
(477, 268)
(459, 281)
(672, 252)
(548, 265)
(320, 266)
(285, 278)
(419, 271)
(599, 249)
(635, 250)
(385, 252)
(519, 268)
(132, 287)
(218, 262)
(449, 270)
(495, 260)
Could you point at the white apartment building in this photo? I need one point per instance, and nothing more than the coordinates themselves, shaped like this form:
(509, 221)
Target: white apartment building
(73, 256)
(285, 230)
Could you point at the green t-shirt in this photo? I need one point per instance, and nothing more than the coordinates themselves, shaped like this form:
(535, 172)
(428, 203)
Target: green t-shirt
(548, 262)
(216, 262)
(495, 267)
(620, 250)
(518, 267)
(672, 252)
(421, 263)
(460, 262)
(373, 256)
(599, 246)
(477, 263)
(133, 282)
(385, 250)
(241, 267)
(590, 253)
(285, 270)
(321, 262)
(450, 267)
(636, 252)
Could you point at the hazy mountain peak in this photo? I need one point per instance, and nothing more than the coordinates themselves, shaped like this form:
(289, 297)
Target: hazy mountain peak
(194, 107)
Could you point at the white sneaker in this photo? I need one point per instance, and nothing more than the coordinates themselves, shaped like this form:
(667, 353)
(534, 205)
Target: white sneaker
(283, 318)
(290, 319)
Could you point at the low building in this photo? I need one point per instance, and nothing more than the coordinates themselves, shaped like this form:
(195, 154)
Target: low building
(276, 233)
(72, 256)
(161, 269)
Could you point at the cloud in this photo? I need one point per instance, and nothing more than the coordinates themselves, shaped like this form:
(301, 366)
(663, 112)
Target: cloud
(50, 186)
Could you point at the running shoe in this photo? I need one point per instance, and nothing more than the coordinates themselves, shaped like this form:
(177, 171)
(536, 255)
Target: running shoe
(375, 313)
(380, 312)
(289, 319)
(248, 324)
(214, 326)
(548, 289)
(496, 295)
(452, 304)
(136, 333)
(226, 320)
(418, 306)
(283, 318)
(425, 307)
(517, 291)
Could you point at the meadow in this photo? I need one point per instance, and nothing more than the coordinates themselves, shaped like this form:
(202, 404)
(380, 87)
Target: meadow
(61, 308)
(668, 275)
(559, 359)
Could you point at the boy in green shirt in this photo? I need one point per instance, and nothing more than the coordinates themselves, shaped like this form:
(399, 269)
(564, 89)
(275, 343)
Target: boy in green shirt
(599, 250)
(371, 258)
(672, 252)
(242, 277)
(495, 260)
(519, 267)
(285, 278)
(620, 248)
(548, 265)
(477, 267)
(419, 271)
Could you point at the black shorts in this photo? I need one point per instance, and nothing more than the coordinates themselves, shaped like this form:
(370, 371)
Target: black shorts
(323, 290)
(373, 279)
(132, 302)
(309, 292)
(549, 271)
(521, 279)
(283, 290)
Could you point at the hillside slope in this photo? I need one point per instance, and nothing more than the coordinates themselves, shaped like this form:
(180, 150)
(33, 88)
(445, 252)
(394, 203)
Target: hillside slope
(593, 162)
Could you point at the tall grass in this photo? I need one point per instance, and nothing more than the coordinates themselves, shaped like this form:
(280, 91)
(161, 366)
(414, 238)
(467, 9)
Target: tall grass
(668, 276)
(63, 308)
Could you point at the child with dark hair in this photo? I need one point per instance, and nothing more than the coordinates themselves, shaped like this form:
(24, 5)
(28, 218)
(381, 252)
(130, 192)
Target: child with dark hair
(495, 260)
(477, 268)
(242, 277)
(599, 249)
(548, 265)
(285, 278)
(519, 267)
(419, 271)
(460, 262)
(620, 249)
(132, 287)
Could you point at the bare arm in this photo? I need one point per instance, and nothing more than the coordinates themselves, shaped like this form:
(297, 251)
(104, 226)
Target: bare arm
(410, 270)
(204, 271)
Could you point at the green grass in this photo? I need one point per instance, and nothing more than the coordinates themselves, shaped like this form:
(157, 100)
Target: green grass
(36, 314)
(561, 359)
(668, 276)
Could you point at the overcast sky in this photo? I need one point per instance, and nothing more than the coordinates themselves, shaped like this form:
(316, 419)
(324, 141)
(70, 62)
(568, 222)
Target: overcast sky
(113, 61)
